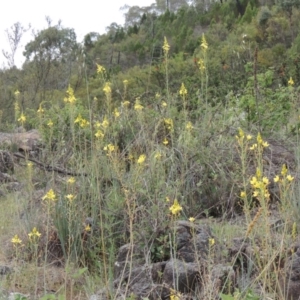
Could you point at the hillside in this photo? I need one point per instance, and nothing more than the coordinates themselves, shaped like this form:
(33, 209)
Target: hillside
(156, 161)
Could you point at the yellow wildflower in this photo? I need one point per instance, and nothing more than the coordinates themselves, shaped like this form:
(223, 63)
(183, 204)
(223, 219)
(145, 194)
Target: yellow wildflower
(157, 155)
(84, 123)
(204, 44)
(141, 159)
(109, 148)
(107, 89)
(175, 208)
(191, 219)
(201, 65)
(276, 179)
(78, 119)
(165, 141)
(183, 90)
(71, 180)
(17, 93)
(40, 110)
(126, 103)
(164, 104)
(34, 233)
(243, 194)
(284, 170)
(253, 147)
(189, 126)
(290, 178)
(99, 134)
(70, 96)
(70, 197)
(87, 227)
(167, 199)
(211, 241)
(166, 46)
(137, 105)
(50, 195)
(169, 123)
(125, 82)
(16, 240)
(29, 165)
(116, 113)
(291, 81)
(249, 137)
(157, 95)
(22, 118)
(105, 123)
(100, 69)
(265, 180)
(97, 124)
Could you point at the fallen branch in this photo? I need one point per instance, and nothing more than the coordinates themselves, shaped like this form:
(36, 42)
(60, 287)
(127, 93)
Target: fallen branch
(49, 168)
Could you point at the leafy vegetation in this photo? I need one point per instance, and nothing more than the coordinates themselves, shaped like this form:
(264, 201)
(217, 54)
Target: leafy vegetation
(167, 117)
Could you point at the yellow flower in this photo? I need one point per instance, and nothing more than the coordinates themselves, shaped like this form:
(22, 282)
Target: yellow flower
(84, 123)
(169, 123)
(99, 134)
(165, 141)
(78, 119)
(253, 147)
(191, 219)
(16, 240)
(284, 170)
(70, 96)
(141, 159)
(71, 180)
(105, 123)
(167, 199)
(109, 148)
(249, 137)
(50, 195)
(100, 69)
(204, 44)
(243, 194)
(183, 90)
(126, 103)
(290, 178)
(137, 105)
(189, 126)
(116, 113)
(265, 144)
(175, 208)
(40, 110)
(291, 81)
(164, 104)
(97, 124)
(107, 89)
(157, 95)
(157, 155)
(276, 179)
(265, 180)
(34, 233)
(166, 46)
(125, 82)
(201, 65)
(87, 227)
(70, 197)
(17, 93)
(22, 118)
(211, 241)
